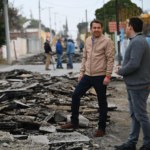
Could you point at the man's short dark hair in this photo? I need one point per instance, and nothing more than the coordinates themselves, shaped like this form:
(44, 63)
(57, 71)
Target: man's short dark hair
(96, 21)
(137, 24)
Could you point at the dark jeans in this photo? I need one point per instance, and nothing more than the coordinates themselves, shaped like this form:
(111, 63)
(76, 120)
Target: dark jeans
(59, 63)
(138, 112)
(70, 60)
(86, 83)
(81, 49)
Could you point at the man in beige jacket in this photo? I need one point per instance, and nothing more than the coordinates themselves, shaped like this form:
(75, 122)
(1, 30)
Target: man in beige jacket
(96, 69)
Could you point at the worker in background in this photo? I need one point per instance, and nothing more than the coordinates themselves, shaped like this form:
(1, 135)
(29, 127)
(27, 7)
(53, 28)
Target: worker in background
(48, 53)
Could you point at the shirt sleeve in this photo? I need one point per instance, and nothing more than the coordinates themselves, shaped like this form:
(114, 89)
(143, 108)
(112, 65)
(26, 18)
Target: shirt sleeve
(82, 69)
(109, 52)
(133, 64)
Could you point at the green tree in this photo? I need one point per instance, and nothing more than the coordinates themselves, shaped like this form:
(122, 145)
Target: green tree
(35, 24)
(2, 25)
(15, 19)
(48, 30)
(107, 13)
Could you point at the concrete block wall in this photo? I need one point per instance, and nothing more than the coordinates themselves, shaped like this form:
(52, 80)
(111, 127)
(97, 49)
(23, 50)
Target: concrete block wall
(22, 46)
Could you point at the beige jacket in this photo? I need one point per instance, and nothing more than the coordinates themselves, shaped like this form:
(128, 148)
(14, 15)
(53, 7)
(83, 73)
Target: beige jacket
(98, 58)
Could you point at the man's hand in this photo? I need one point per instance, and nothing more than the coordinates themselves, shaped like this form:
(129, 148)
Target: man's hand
(80, 77)
(117, 68)
(106, 81)
(50, 53)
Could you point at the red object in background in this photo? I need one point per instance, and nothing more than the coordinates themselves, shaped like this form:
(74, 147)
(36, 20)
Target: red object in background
(113, 26)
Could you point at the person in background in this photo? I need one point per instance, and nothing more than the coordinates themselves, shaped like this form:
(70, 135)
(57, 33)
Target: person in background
(48, 53)
(81, 47)
(59, 53)
(70, 51)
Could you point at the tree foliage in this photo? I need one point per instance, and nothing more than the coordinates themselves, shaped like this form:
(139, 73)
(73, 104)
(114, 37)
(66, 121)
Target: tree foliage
(48, 30)
(35, 24)
(107, 13)
(16, 20)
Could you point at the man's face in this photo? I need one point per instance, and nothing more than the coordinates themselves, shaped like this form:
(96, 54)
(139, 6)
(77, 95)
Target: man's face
(96, 29)
(128, 30)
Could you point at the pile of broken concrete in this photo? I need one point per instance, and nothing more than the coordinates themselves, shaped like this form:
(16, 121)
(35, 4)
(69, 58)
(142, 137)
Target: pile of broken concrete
(40, 59)
(33, 106)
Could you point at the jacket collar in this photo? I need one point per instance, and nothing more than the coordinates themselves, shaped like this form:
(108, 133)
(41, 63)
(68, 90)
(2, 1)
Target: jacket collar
(140, 33)
(99, 39)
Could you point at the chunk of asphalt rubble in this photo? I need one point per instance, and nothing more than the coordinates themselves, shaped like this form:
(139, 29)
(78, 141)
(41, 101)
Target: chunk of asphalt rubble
(20, 137)
(39, 139)
(49, 116)
(6, 145)
(60, 116)
(50, 129)
(58, 138)
(83, 122)
(59, 129)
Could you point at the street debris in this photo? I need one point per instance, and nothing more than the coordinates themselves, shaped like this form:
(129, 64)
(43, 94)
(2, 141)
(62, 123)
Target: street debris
(40, 59)
(33, 106)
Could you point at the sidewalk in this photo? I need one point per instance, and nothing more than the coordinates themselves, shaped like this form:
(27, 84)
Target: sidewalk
(41, 69)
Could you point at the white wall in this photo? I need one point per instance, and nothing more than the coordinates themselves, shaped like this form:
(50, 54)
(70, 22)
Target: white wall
(34, 46)
(23, 46)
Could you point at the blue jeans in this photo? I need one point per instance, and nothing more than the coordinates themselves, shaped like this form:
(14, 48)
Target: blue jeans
(138, 105)
(86, 83)
(70, 60)
(59, 63)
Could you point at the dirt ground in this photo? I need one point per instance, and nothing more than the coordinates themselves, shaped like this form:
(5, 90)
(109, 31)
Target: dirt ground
(119, 128)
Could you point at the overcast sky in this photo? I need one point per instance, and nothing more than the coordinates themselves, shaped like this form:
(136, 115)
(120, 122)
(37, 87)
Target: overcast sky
(73, 10)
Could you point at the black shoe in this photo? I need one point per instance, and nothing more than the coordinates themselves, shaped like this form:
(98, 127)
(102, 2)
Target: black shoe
(61, 68)
(125, 147)
(144, 148)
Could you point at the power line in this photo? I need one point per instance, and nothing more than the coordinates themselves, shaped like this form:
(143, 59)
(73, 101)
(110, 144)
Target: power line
(93, 6)
(67, 15)
(64, 6)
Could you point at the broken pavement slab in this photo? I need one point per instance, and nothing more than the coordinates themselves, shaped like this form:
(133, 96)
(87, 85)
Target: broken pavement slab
(49, 116)
(56, 138)
(49, 128)
(21, 89)
(83, 122)
(59, 129)
(43, 139)
(8, 125)
(60, 116)
(20, 137)
(90, 111)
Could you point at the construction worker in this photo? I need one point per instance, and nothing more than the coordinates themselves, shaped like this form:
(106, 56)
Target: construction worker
(48, 52)
(59, 53)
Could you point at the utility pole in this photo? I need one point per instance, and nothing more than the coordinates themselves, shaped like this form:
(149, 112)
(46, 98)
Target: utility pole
(40, 25)
(142, 5)
(104, 15)
(118, 37)
(55, 23)
(87, 24)
(60, 28)
(7, 32)
(50, 24)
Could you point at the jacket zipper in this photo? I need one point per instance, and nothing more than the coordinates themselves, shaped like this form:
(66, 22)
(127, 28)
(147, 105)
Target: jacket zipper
(91, 59)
